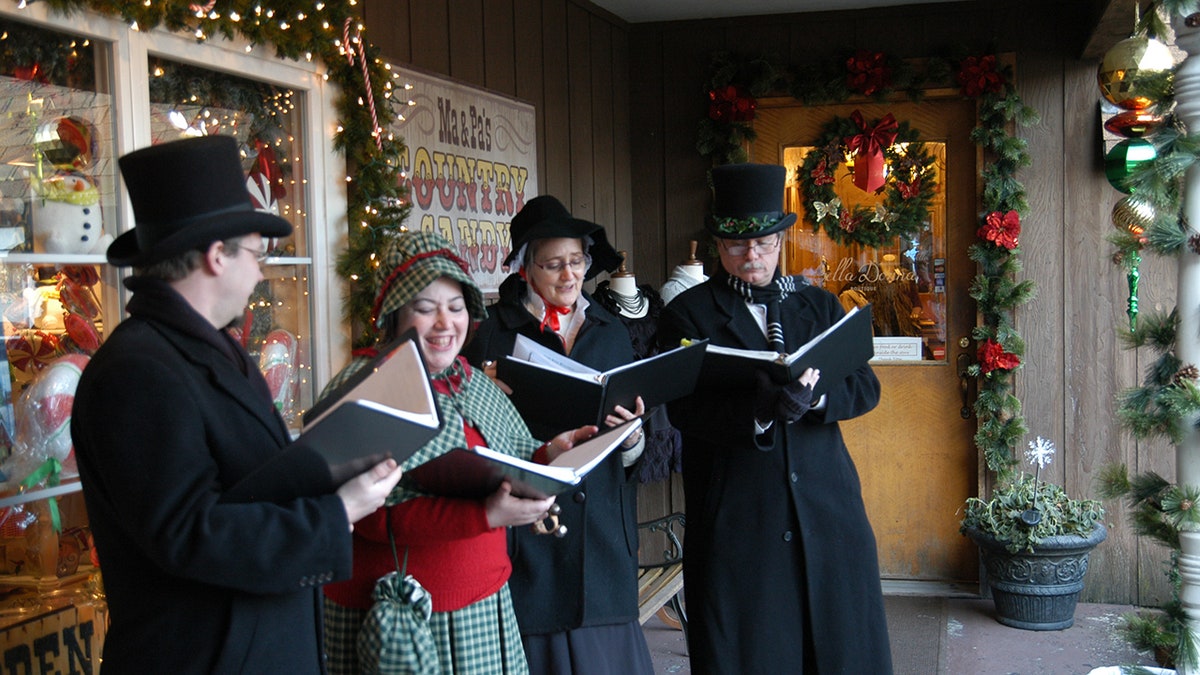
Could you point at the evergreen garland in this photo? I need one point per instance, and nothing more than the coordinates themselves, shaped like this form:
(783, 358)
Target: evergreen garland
(722, 139)
(298, 29)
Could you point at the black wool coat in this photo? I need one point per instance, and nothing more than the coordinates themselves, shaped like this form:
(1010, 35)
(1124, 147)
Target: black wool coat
(589, 577)
(777, 540)
(163, 422)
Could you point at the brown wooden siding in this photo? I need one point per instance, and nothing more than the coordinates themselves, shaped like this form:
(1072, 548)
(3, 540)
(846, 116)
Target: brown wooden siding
(618, 107)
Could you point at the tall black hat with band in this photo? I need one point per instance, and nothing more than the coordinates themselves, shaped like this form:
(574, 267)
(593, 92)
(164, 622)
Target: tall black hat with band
(545, 217)
(187, 194)
(748, 201)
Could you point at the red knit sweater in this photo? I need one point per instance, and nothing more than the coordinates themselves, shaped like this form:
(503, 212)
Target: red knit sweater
(451, 549)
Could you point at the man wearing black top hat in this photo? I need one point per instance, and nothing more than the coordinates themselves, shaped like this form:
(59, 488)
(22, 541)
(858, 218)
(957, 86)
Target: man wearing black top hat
(170, 413)
(780, 568)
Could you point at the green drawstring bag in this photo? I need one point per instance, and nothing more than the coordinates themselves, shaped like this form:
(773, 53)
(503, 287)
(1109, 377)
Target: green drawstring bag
(395, 638)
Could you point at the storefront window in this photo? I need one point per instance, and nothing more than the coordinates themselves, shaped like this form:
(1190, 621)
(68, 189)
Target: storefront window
(904, 279)
(187, 100)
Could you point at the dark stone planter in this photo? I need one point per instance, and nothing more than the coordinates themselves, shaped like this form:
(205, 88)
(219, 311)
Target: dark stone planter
(1037, 590)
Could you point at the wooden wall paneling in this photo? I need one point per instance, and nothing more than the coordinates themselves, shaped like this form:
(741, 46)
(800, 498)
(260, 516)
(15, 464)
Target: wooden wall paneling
(1096, 362)
(556, 145)
(641, 255)
(604, 202)
(646, 160)
(499, 51)
(751, 35)
(529, 85)
(1042, 253)
(687, 50)
(466, 44)
(814, 37)
(386, 25)
(430, 36)
(579, 85)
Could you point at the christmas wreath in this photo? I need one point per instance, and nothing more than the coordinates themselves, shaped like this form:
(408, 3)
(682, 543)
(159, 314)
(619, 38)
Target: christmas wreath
(907, 188)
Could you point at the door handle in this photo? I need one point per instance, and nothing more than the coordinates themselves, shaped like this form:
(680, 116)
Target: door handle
(965, 385)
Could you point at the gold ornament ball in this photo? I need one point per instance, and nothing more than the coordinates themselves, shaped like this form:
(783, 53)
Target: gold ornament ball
(1133, 214)
(1126, 67)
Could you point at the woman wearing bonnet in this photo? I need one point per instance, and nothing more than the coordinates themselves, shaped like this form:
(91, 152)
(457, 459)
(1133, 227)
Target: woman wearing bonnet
(575, 596)
(455, 548)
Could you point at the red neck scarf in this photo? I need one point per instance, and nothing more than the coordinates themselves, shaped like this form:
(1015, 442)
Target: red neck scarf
(550, 316)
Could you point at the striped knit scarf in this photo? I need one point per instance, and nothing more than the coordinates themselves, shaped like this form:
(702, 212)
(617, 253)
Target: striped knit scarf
(772, 295)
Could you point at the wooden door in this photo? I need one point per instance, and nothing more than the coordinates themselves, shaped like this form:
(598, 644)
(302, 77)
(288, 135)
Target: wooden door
(915, 452)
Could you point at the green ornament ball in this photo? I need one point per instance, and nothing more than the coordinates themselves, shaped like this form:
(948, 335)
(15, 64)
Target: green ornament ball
(1124, 159)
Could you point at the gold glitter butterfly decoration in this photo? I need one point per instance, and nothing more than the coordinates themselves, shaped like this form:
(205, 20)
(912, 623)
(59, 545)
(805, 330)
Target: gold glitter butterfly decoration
(829, 208)
(882, 215)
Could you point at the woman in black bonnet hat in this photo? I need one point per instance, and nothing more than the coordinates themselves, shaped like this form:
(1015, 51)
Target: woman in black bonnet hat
(575, 597)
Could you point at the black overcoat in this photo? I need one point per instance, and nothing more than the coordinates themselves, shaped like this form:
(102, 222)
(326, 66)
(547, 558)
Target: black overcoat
(589, 577)
(162, 423)
(777, 534)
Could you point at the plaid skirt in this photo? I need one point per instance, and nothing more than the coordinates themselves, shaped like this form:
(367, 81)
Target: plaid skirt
(481, 638)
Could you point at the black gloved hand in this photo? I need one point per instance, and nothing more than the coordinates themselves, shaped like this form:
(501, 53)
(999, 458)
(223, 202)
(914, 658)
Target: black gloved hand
(766, 397)
(795, 399)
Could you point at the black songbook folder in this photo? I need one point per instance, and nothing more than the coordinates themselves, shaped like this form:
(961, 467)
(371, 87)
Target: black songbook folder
(386, 409)
(554, 391)
(837, 351)
(477, 472)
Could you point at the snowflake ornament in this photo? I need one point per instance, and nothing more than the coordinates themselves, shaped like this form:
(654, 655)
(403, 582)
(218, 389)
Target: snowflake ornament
(1039, 453)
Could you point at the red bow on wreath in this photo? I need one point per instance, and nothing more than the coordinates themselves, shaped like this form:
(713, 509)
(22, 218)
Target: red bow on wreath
(868, 148)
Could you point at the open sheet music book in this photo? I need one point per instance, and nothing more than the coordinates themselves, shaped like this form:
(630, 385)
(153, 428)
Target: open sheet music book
(386, 409)
(837, 351)
(555, 391)
(477, 472)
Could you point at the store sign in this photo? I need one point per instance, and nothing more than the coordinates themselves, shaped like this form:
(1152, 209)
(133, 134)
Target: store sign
(62, 642)
(471, 165)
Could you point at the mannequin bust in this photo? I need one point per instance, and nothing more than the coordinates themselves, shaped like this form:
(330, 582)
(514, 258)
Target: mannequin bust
(629, 299)
(685, 275)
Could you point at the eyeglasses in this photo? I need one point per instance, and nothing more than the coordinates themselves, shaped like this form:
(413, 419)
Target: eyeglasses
(576, 264)
(260, 254)
(760, 247)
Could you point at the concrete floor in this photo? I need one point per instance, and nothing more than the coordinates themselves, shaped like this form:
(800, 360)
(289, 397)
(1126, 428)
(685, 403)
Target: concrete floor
(960, 636)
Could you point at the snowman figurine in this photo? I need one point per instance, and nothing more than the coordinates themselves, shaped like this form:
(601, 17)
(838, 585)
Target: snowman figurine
(66, 215)
(65, 209)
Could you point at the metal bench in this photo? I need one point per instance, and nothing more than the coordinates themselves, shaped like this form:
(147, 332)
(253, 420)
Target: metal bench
(660, 583)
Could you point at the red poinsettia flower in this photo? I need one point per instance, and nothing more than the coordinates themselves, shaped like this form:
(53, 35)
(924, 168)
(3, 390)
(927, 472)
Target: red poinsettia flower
(978, 74)
(909, 190)
(867, 72)
(993, 357)
(731, 103)
(1002, 229)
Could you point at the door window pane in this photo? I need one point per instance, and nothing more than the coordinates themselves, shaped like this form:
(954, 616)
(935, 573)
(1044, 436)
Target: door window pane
(903, 280)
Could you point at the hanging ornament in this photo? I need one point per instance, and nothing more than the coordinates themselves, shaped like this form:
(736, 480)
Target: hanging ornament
(65, 142)
(1133, 214)
(1128, 71)
(1124, 159)
(1131, 278)
(1133, 123)
(867, 148)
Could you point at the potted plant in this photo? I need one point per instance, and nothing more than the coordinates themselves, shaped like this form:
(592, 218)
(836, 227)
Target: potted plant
(1034, 543)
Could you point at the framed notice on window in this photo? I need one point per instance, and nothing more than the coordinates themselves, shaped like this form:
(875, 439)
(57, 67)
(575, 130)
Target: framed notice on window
(470, 166)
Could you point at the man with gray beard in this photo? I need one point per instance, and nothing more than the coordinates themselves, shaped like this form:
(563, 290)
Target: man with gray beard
(780, 567)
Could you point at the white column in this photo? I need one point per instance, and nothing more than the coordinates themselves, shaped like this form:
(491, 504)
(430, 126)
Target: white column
(1187, 339)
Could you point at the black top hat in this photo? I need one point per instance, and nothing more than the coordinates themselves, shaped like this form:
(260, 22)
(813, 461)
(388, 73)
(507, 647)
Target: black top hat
(545, 217)
(187, 194)
(748, 201)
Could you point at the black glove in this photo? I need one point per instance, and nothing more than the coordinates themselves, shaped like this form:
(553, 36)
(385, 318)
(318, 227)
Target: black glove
(766, 397)
(795, 399)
